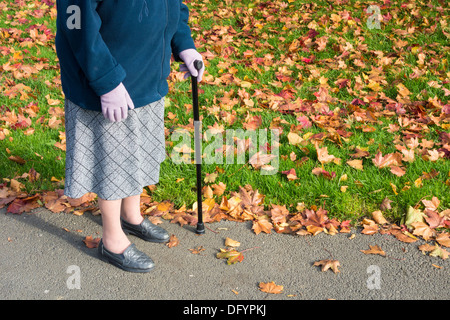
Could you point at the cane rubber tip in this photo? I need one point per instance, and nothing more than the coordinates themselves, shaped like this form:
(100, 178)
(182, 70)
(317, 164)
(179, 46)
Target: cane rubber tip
(198, 64)
(200, 228)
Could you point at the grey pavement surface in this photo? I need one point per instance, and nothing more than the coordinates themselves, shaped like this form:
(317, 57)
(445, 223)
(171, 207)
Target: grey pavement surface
(38, 258)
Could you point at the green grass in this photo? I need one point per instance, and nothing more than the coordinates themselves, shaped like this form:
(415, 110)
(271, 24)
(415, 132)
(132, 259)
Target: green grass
(365, 189)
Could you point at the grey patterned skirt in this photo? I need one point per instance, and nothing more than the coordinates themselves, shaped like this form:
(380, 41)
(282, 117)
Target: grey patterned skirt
(113, 159)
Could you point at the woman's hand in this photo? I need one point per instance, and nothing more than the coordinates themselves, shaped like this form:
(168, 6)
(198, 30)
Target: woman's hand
(189, 56)
(115, 104)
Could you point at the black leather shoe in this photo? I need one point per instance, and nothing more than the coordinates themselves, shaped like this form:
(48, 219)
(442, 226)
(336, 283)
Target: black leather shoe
(146, 231)
(131, 259)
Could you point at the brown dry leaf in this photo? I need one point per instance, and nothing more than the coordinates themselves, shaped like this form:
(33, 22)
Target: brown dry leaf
(155, 220)
(317, 218)
(262, 225)
(219, 189)
(386, 204)
(426, 247)
(432, 204)
(314, 230)
(370, 229)
(382, 162)
(378, 217)
(260, 159)
(270, 287)
(357, 164)
(86, 198)
(374, 250)
(403, 236)
(328, 264)
(294, 138)
(434, 219)
(179, 218)
(324, 157)
(208, 192)
(91, 242)
(16, 186)
(17, 159)
(423, 230)
(232, 243)
(443, 239)
(197, 250)
(173, 241)
(398, 171)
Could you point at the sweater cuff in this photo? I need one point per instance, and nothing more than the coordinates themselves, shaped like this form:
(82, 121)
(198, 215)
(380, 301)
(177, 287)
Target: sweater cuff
(179, 46)
(109, 81)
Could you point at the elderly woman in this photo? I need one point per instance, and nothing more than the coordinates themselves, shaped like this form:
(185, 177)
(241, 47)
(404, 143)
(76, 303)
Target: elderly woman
(115, 59)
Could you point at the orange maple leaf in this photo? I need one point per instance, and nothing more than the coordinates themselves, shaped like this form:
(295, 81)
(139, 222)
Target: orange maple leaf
(270, 287)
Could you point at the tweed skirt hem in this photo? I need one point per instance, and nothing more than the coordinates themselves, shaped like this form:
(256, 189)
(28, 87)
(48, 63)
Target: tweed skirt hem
(114, 160)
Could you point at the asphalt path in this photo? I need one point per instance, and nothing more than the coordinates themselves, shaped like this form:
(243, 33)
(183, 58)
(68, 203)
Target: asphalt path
(43, 257)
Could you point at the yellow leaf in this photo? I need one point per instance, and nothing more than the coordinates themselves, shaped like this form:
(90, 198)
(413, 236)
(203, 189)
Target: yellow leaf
(357, 164)
(394, 188)
(294, 138)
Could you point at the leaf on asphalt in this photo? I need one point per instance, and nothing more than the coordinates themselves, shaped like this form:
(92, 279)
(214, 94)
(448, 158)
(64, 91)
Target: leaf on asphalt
(439, 252)
(426, 247)
(173, 241)
(91, 242)
(374, 250)
(422, 229)
(270, 287)
(403, 236)
(232, 243)
(197, 250)
(262, 225)
(328, 264)
(232, 255)
(314, 230)
(369, 227)
(443, 239)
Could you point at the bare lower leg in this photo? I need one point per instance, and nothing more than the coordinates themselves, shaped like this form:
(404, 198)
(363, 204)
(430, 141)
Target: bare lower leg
(113, 237)
(131, 209)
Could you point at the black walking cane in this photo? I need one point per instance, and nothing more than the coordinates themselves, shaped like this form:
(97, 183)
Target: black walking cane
(198, 64)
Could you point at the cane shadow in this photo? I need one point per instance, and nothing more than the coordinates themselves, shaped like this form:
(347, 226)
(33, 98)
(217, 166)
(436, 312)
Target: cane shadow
(34, 220)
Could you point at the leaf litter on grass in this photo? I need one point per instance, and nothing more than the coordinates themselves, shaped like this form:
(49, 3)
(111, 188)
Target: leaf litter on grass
(263, 55)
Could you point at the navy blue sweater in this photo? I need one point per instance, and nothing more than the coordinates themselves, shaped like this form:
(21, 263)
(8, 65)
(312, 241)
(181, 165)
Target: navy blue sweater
(101, 43)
